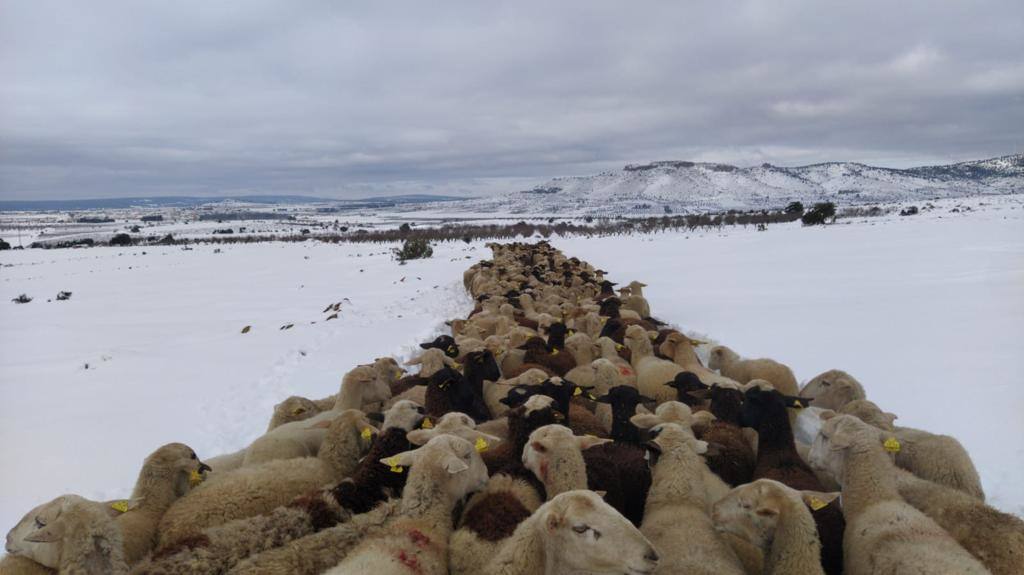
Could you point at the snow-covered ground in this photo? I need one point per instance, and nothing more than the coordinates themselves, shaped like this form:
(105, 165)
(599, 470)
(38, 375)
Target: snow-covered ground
(927, 311)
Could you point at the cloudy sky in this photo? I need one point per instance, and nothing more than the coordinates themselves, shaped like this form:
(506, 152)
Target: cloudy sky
(349, 99)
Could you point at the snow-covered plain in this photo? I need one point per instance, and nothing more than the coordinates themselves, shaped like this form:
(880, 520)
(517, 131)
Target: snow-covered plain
(927, 311)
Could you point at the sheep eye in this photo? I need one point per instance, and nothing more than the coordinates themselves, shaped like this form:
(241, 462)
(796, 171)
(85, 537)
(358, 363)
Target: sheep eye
(581, 529)
(193, 455)
(39, 524)
(825, 383)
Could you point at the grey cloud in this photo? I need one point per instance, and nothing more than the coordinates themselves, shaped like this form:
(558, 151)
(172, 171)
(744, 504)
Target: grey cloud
(111, 98)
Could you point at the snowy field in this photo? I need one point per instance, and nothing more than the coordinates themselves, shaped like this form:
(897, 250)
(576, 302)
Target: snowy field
(927, 311)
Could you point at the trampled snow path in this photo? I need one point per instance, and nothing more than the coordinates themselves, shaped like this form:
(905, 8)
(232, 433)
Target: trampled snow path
(926, 312)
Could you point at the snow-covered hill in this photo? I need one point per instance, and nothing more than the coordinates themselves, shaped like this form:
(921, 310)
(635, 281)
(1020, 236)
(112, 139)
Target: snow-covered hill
(686, 187)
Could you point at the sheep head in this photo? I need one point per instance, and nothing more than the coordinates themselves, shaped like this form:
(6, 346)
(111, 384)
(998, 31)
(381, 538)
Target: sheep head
(552, 445)
(870, 413)
(721, 356)
(589, 536)
(453, 464)
(833, 389)
(457, 424)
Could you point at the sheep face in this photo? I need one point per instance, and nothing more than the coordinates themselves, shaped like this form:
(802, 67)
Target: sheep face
(21, 544)
(295, 408)
(453, 462)
(551, 446)
(833, 389)
(668, 412)
(589, 536)
(404, 414)
(751, 512)
(445, 343)
(720, 356)
(178, 461)
(869, 413)
(457, 424)
(838, 434)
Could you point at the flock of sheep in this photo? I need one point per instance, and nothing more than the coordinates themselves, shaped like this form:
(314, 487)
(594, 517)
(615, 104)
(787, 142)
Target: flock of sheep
(557, 429)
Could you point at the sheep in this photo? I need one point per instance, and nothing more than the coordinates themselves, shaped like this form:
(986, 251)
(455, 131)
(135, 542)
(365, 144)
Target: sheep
(679, 349)
(574, 532)
(566, 393)
(563, 461)
(385, 371)
(442, 472)
(489, 518)
(453, 423)
(166, 477)
(832, 389)
(494, 392)
(583, 349)
(539, 352)
(993, 537)
(728, 362)
(610, 351)
(537, 411)
(651, 372)
(731, 455)
(445, 343)
(448, 390)
(293, 408)
(260, 488)
(634, 299)
(72, 535)
(370, 482)
(430, 361)
(677, 511)
(773, 517)
(777, 457)
(938, 458)
(884, 533)
(359, 387)
(623, 400)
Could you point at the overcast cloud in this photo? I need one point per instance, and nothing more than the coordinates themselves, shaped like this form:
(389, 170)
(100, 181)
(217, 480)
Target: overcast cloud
(350, 99)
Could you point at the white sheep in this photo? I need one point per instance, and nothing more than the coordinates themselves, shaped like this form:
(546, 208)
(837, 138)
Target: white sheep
(677, 509)
(71, 535)
(293, 408)
(832, 389)
(257, 489)
(884, 534)
(574, 532)
(776, 519)
(681, 349)
(651, 372)
(729, 363)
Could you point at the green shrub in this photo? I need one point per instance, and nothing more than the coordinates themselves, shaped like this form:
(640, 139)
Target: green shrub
(821, 213)
(795, 208)
(413, 249)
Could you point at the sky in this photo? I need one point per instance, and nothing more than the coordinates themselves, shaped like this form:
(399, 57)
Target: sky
(354, 99)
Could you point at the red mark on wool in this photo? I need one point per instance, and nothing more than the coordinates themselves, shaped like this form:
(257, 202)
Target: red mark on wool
(625, 370)
(418, 538)
(544, 471)
(410, 561)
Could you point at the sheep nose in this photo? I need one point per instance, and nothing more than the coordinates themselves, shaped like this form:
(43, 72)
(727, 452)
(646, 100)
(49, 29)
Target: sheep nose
(652, 555)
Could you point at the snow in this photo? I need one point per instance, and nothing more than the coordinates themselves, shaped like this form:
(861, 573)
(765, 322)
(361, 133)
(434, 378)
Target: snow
(926, 311)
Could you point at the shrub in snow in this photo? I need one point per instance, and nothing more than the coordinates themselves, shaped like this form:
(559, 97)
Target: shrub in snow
(22, 299)
(911, 211)
(821, 213)
(414, 249)
(121, 240)
(4, 245)
(64, 296)
(795, 208)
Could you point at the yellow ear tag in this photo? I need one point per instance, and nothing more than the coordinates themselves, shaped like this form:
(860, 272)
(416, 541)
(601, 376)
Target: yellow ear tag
(367, 433)
(456, 365)
(892, 445)
(121, 506)
(817, 504)
(620, 347)
(195, 478)
(554, 352)
(577, 391)
(604, 319)
(393, 462)
(654, 337)
(427, 424)
(481, 444)
(572, 333)
(798, 405)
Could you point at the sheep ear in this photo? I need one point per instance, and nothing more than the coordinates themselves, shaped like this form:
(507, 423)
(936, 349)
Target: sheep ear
(700, 447)
(766, 511)
(453, 464)
(827, 414)
(645, 420)
(47, 534)
(641, 410)
(587, 441)
(415, 361)
(645, 399)
(403, 459)
(420, 436)
(476, 437)
(601, 494)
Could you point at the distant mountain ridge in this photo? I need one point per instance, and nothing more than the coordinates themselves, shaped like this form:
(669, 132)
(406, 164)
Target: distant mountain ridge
(686, 187)
(193, 201)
